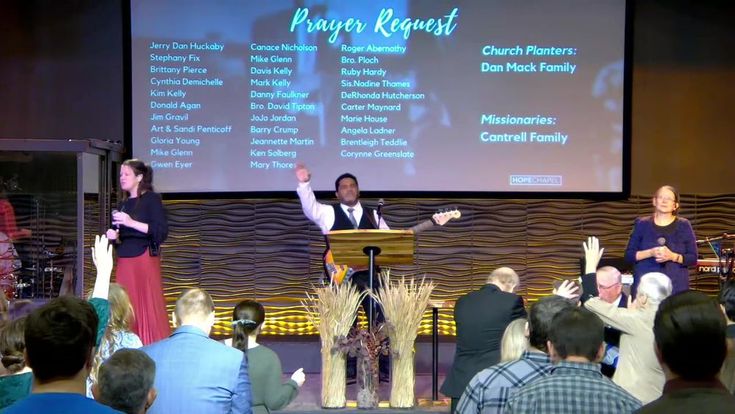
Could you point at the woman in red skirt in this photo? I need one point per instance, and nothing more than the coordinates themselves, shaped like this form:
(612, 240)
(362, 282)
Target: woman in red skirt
(140, 226)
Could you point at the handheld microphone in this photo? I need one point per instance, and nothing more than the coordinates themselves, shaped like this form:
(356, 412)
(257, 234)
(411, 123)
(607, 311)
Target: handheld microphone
(661, 243)
(116, 226)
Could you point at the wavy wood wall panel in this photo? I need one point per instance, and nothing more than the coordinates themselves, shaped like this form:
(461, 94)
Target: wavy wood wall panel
(268, 251)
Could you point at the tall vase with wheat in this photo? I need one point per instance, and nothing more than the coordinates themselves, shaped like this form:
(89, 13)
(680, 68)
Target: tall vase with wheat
(404, 303)
(332, 308)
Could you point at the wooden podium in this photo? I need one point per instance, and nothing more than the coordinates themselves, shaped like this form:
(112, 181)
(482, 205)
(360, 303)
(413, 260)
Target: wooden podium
(361, 248)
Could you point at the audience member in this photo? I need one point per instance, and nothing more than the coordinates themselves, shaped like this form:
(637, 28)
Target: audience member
(118, 334)
(58, 377)
(17, 383)
(4, 310)
(488, 391)
(196, 374)
(60, 339)
(638, 370)
(264, 366)
(575, 383)
(125, 381)
(607, 284)
(481, 318)
(727, 304)
(514, 341)
(4, 317)
(689, 330)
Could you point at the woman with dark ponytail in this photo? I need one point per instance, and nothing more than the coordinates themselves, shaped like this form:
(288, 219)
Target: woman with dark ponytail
(140, 226)
(264, 366)
(17, 384)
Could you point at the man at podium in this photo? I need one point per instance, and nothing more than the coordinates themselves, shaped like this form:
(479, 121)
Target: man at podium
(347, 214)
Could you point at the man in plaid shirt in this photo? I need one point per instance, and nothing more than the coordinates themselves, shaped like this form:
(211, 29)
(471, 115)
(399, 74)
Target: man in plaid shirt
(488, 391)
(575, 383)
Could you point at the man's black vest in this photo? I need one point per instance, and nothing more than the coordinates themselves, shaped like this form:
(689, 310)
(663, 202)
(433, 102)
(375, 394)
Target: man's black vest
(342, 221)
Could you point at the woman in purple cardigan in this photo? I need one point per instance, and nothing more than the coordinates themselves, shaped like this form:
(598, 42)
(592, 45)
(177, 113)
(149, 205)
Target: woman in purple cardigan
(663, 242)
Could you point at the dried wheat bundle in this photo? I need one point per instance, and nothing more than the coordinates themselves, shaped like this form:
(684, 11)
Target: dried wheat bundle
(332, 309)
(404, 303)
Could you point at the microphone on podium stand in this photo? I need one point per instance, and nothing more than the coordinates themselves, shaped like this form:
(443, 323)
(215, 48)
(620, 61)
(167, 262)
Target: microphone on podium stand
(381, 202)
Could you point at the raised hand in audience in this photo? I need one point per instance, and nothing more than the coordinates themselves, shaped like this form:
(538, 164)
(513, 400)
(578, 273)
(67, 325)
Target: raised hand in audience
(592, 254)
(567, 289)
(102, 259)
(299, 377)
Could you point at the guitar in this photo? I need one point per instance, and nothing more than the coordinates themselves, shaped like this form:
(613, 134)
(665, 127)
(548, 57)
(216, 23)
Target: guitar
(338, 273)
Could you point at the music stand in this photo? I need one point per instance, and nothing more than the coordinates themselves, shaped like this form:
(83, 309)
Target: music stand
(371, 248)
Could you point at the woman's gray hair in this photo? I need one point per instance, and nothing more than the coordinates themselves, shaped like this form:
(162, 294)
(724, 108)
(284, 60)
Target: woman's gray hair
(656, 286)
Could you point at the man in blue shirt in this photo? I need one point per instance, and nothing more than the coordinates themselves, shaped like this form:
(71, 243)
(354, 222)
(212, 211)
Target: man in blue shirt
(196, 374)
(60, 344)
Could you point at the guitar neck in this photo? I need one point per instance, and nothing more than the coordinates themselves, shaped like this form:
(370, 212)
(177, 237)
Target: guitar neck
(424, 225)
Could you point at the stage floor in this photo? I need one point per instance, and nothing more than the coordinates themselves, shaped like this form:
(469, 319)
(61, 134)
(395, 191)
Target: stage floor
(309, 396)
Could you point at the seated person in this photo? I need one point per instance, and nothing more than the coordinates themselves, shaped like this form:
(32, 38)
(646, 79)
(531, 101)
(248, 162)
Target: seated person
(265, 371)
(488, 391)
(727, 304)
(125, 381)
(196, 374)
(102, 258)
(575, 383)
(60, 339)
(17, 383)
(689, 330)
(514, 341)
(118, 334)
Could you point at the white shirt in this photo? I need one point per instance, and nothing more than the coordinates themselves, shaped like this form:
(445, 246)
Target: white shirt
(617, 301)
(323, 214)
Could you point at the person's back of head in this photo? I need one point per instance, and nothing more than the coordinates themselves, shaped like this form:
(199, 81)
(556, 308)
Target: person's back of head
(195, 307)
(655, 286)
(505, 278)
(576, 334)
(121, 310)
(727, 304)
(247, 319)
(514, 341)
(125, 381)
(60, 337)
(4, 309)
(689, 330)
(120, 320)
(540, 318)
(727, 299)
(13, 345)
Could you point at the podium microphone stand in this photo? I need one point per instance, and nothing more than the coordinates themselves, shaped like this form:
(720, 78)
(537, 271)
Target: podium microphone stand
(360, 248)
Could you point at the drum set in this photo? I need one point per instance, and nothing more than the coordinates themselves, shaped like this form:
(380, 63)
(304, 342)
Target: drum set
(9, 264)
(17, 282)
